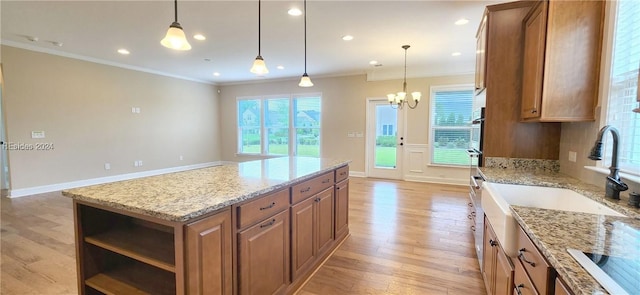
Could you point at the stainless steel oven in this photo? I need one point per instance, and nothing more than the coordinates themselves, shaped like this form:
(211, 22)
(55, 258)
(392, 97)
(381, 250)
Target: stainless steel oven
(476, 214)
(475, 180)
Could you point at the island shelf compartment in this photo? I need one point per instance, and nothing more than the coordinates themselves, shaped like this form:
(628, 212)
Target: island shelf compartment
(117, 274)
(124, 254)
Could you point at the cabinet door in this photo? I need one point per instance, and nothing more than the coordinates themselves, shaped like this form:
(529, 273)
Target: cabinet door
(263, 256)
(503, 273)
(533, 61)
(481, 56)
(208, 253)
(303, 250)
(324, 220)
(488, 252)
(561, 288)
(342, 208)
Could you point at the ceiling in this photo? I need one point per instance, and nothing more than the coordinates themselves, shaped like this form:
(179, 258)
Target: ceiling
(95, 30)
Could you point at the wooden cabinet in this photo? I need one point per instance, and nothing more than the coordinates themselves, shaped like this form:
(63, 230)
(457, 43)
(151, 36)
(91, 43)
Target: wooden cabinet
(263, 256)
(481, 57)
(561, 66)
(312, 230)
(209, 256)
(504, 134)
(119, 254)
(536, 268)
(497, 270)
(561, 288)
(342, 208)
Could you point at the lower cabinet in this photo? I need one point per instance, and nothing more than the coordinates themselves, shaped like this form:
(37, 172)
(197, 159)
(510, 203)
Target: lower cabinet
(209, 256)
(342, 208)
(263, 256)
(312, 231)
(561, 288)
(496, 269)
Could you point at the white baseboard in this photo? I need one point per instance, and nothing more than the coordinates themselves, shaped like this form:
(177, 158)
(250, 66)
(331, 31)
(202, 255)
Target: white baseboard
(451, 181)
(357, 174)
(100, 180)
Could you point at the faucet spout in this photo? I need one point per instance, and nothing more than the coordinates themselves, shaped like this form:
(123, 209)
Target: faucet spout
(613, 184)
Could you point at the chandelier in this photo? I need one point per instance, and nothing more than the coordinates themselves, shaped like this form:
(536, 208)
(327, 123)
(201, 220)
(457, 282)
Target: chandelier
(397, 100)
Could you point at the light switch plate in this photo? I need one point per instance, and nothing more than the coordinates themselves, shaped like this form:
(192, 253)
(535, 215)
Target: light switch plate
(572, 156)
(37, 134)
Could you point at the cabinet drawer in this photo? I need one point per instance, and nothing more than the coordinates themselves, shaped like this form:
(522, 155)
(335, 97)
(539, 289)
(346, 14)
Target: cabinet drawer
(311, 187)
(521, 281)
(262, 208)
(342, 173)
(536, 266)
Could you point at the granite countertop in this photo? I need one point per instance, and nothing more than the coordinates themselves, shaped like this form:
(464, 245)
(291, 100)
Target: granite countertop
(554, 231)
(182, 196)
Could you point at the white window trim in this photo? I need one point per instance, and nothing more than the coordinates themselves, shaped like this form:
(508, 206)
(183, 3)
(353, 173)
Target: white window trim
(611, 9)
(432, 91)
(263, 128)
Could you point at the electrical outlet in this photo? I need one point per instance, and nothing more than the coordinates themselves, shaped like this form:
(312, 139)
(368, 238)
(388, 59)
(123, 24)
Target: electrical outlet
(107, 166)
(572, 156)
(139, 162)
(135, 164)
(181, 158)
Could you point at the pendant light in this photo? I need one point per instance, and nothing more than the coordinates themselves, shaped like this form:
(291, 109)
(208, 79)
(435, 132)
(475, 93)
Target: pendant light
(175, 38)
(305, 81)
(259, 67)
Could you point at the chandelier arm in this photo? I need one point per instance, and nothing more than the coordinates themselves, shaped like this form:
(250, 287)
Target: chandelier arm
(414, 106)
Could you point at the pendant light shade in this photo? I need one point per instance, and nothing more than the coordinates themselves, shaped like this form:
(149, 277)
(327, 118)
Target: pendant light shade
(305, 81)
(175, 38)
(259, 66)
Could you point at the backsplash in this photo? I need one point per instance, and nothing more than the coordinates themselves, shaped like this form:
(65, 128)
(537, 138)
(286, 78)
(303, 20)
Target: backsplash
(523, 164)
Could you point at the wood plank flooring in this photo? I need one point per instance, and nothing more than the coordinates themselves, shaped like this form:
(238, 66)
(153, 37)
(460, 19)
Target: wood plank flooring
(406, 238)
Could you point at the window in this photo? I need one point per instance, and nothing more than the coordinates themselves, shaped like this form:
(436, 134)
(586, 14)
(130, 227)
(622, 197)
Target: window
(279, 125)
(623, 87)
(451, 109)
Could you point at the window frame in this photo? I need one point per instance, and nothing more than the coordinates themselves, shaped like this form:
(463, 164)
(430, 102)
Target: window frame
(610, 25)
(292, 143)
(432, 118)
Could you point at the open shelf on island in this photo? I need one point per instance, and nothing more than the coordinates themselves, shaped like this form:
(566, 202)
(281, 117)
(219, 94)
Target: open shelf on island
(143, 244)
(135, 278)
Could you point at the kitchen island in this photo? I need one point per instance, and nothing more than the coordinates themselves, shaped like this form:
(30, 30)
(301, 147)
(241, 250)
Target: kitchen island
(259, 227)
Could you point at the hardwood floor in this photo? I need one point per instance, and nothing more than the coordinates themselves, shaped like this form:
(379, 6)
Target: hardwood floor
(406, 238)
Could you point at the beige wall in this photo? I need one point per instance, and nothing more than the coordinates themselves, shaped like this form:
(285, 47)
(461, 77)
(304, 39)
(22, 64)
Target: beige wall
(85, 110)
(343, 111)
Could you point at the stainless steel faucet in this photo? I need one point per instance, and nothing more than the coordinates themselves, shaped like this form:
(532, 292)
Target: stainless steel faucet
(613, 184)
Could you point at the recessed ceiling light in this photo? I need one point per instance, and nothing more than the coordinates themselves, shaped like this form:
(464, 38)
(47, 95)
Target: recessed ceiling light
(280, 67)
(347, 37)
(56, 43)
(216, 74)
(462, 21)
(294, 12)
(207, 59)
(456, 54)
(199, 37)
(373, 62)
(123, 51)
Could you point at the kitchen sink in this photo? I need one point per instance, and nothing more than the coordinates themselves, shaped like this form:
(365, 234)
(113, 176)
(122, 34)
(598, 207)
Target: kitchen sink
(497, 197)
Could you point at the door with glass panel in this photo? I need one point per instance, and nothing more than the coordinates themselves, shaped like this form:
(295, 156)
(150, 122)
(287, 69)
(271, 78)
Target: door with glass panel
(384, 140)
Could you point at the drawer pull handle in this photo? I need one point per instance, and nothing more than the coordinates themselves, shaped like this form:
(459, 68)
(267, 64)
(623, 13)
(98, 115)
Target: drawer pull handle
(317, 199)
(521, 256)
(270, 223)
(268, 207)
(305, 190)
(469, 216)
(326, 181)
(470, 204)
(473, 228)
(517, 289)
(493, 243)
(343, 173)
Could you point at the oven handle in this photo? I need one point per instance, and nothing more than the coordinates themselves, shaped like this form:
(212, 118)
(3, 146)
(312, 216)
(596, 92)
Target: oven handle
(475, 183)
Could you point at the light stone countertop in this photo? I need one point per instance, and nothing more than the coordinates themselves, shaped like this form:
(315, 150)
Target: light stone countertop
(554, 231)
(182, 196)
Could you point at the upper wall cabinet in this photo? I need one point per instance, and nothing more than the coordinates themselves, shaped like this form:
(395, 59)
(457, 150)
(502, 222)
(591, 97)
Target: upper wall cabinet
(481, 57)
(561, 65)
